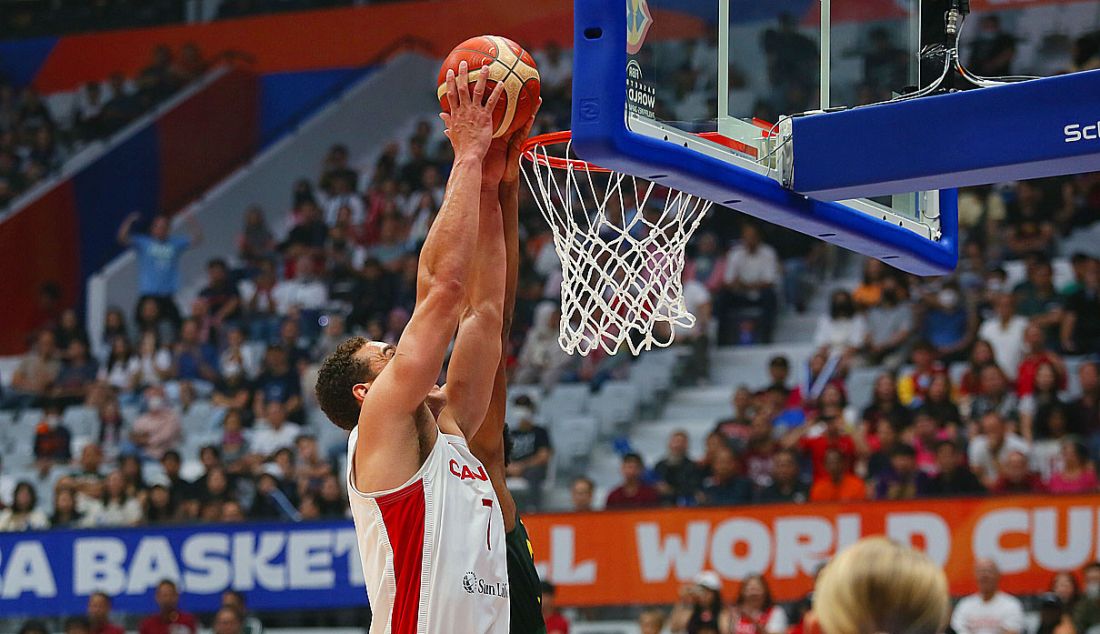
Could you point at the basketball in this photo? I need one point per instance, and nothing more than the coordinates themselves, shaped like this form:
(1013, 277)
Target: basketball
(508, 63)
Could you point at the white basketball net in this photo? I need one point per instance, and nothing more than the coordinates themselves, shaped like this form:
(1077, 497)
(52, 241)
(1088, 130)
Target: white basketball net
(621, 242)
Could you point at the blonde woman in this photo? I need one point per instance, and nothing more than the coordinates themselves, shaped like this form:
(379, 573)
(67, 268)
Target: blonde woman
(879, 586)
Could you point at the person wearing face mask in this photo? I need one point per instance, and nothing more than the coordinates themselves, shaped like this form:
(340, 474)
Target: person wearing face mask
(950, 323)
(1087, 612)
(531, 450)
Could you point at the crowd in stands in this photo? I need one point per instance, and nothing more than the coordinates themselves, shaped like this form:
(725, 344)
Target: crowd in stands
(972, 397)
(35, 142)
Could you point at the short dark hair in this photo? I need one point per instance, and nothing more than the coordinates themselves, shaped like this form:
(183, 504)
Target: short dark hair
(106, 597)
(171, 453)
(779, 361)
(237, 595)
(34, 626)
(1091, 566)
(167, 582)
(903, 450)
(946, 443)
(77, 621)
(548, 588)
(339, 373)
(633, 457)
(217, 263)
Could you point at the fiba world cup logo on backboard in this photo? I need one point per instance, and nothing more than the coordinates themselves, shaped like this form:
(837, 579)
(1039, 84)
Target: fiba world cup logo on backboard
(638, 21)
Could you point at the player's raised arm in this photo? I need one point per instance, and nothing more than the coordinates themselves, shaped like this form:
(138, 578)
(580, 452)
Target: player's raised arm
(488, 442)
(445, 268)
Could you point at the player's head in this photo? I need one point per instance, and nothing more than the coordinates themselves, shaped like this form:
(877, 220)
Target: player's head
(346, 376)
(879, 586)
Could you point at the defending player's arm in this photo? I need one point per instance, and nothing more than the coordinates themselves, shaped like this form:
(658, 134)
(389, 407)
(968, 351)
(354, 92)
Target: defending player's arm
(478, 347)
(442, 279)
(488, 443)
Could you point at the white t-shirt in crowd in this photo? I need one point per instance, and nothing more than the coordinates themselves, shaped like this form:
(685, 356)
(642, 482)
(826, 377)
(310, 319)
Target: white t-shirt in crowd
(1002, 614)
(267, 440)
(307, 294)
(761, 267)
(1007, 341)
(981, 457)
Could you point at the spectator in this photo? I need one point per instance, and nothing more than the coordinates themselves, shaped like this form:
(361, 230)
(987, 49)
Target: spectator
(305, 290)
(842, 330)
(531, 450)
(158, 505)
(885, 408)
(193, 358)
(1080, 332)
(65, 514)
(227, 621)
(158, 256)
(1086, 614)
(260, 304)
(52, 438)
(725, 486)
(633, 492)
(581, 494)
(1005, 333)
(334, 504)
(220, 293)
(23, 514)
(700, 608)
(235, 601)
(678, 476)
(1027, 222)
(939, 403)
(556, 623)
(988, 451)
(1017, 477)
(836, 483)
(541, 360)
(736, 427)
(78, 373)
(651, 622)
(273, 432)
(989, 611)
(949, 322)
(35, 373)
(159, 428)
(1037, 354)
(114, 325)
(278, 382)
(787, 485)
(814, 447)
(99, 615)
(256, 243)
(889, 324)
(913, 386)
(34, 627)
(272, 501)
(169, 618)
(1077, 473)
(117, 507)
(1085, 411)
(981, 355)
(993, 50)
(1038, 299)
(995, 395)
(1053, 616)
(754, 612)
(749, 284)
(122, 370)
(1064, 586)
(953, 478)
(154, 361)
(68, 328)
(1044, 394)
(902, 480)
(178, 488)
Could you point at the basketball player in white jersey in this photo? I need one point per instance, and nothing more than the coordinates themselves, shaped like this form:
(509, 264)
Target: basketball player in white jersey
(428, 522)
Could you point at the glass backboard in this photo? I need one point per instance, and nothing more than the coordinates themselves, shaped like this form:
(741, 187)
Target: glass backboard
(743, 69)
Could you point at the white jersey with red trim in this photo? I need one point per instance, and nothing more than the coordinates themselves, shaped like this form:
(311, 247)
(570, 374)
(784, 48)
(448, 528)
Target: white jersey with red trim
(433, 549)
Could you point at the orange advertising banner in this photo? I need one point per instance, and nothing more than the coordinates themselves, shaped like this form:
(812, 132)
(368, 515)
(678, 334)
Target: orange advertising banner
(643, 557)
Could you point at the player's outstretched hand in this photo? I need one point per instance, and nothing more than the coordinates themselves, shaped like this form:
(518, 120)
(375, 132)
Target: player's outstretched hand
(470, 122)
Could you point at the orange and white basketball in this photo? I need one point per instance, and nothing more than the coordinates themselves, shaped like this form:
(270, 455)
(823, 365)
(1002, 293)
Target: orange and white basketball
(508, 63)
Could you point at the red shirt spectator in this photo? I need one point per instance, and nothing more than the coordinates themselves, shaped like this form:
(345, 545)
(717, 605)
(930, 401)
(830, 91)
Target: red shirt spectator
(1017, 478)
(99, 615)
(1037, 355)
(834, 438)
(555, 622)
(837, 484)
(633, 492)
(170, 620)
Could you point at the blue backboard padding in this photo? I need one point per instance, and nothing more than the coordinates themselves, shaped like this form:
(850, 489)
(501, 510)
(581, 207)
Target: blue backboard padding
(288, 98)
(600, 135)
(20, 60)
(124, 180)
(976, 137)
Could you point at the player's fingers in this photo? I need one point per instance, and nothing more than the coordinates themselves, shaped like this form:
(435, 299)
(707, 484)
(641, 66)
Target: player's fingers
(463, 83)
(446, 120)
(479, 87)
(494, 97)
(452, 89)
